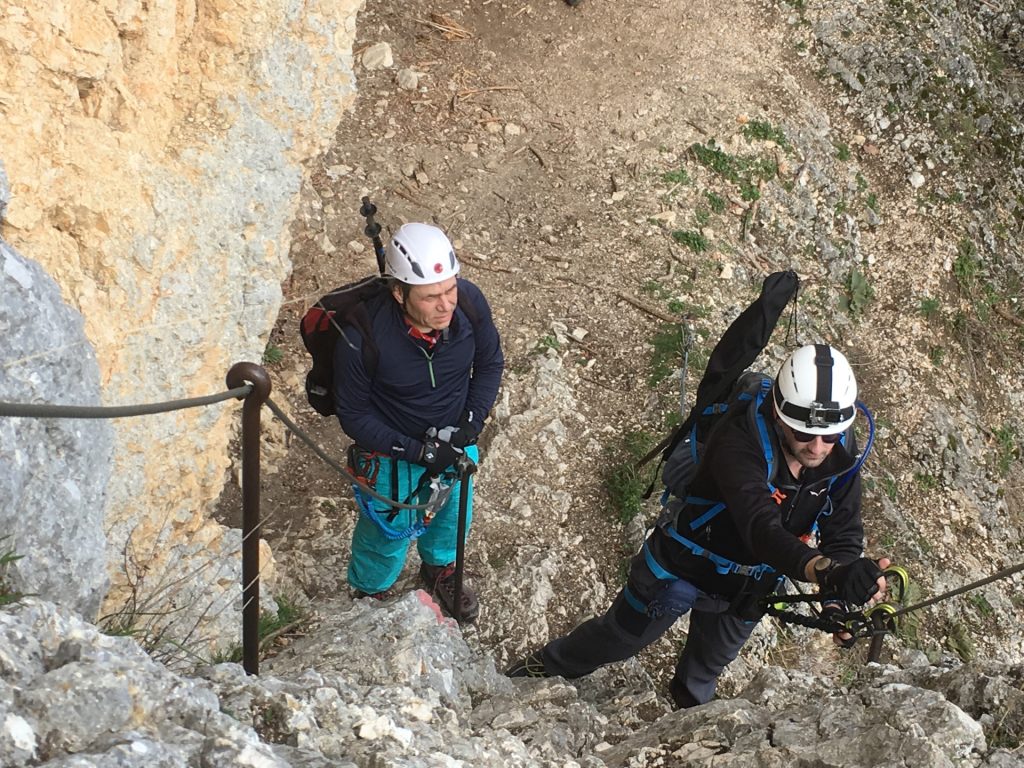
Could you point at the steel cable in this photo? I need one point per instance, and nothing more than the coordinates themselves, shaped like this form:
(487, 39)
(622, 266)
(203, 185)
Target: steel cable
(50, 411)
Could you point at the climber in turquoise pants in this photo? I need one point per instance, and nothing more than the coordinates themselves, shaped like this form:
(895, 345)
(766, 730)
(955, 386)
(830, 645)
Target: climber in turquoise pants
(417, 412)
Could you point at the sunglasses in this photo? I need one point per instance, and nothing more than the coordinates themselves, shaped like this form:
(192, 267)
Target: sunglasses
(806, 437)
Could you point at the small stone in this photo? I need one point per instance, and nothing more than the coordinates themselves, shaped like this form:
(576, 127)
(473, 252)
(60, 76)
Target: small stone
(378, 56)
(409, 170)
(616, 196)
(355, 246)
(883, 123)
(492, 126)
(511, 129)
(579, 333)
(916, 180)
(421, 177)
(726, 272)
(325, 243)
(408, 79)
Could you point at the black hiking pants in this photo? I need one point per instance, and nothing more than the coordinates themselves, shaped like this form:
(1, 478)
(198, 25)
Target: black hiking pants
(715, 637)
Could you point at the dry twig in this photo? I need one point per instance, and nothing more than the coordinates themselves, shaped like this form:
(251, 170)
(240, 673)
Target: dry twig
(450, 30)
(473, 91)
(652, 311)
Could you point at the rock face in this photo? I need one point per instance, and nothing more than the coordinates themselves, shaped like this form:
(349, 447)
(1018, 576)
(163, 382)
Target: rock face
(53, 473)
(154, 152)
(395, 684)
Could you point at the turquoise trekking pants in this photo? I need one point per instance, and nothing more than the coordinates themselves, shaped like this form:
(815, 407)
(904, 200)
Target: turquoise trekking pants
(377, 560)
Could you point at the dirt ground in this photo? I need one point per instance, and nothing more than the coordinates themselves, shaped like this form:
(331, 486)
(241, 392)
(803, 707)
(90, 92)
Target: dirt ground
(543, 138)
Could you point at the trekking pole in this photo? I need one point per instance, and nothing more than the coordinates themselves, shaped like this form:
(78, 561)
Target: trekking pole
(372, 230)
(466, 470)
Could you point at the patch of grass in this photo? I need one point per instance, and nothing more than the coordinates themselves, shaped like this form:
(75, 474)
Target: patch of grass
(679, 176)
(859, 292)
(685, 308)
(958, 640)
(872, 201)
(550, 341)
(734, 168)
(8, 595)
(764, 131)
(842, 152)
(908, 627)
(272, 355)
(937, 355)
(981, 604)
(1007, 449)
(653, 288)
(715, 201)
(702, 216)
(889, 487)
(270, 625)
(967, 266)
(926, 481)
(695, 241)
(624, 483)
(929, 307)
(667, 346)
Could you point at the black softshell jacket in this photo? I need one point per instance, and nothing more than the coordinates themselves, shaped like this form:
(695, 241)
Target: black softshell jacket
(754, 528)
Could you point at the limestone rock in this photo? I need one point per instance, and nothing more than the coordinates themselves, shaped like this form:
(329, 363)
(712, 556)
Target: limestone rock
(53, 472)
(154, 155)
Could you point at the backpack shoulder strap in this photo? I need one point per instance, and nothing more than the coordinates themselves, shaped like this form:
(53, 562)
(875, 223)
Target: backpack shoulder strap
(761, 427)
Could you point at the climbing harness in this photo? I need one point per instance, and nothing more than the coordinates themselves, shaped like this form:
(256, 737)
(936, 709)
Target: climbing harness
(365, 465)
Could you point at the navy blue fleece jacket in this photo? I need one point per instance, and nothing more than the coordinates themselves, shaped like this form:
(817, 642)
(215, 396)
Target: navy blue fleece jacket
(413, 389)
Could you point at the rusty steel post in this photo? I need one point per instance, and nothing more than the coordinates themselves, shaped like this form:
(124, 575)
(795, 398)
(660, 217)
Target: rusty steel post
(239, 375)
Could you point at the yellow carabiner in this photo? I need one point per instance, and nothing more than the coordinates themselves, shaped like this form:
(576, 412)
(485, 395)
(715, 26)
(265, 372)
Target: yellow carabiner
(898, 580)
(887, 621)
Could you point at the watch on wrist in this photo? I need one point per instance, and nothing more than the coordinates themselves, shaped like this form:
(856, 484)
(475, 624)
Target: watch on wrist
(821, 568)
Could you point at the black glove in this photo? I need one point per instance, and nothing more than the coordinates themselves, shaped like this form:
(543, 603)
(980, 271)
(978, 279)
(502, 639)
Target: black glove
(853, 582)
(834, 616)
(465, 432)
(437, 456)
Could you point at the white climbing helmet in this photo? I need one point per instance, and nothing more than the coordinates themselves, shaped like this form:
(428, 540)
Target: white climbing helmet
(420, 254)
(815, 391)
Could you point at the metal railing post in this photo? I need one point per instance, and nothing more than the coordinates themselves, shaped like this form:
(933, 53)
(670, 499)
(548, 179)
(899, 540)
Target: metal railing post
(240, 374)
(467, 468)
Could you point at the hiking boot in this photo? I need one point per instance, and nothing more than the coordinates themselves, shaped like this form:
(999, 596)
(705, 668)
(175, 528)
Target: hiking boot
(530, 666)
(440, 580)
(680, 696)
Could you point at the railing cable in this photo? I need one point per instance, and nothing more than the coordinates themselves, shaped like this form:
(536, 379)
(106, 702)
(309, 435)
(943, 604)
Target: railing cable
(48, 411)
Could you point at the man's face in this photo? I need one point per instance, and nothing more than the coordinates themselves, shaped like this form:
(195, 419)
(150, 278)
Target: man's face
(430, 307)
(810, 453)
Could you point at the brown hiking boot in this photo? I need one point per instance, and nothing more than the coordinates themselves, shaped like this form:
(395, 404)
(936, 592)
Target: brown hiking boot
(440, 580)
